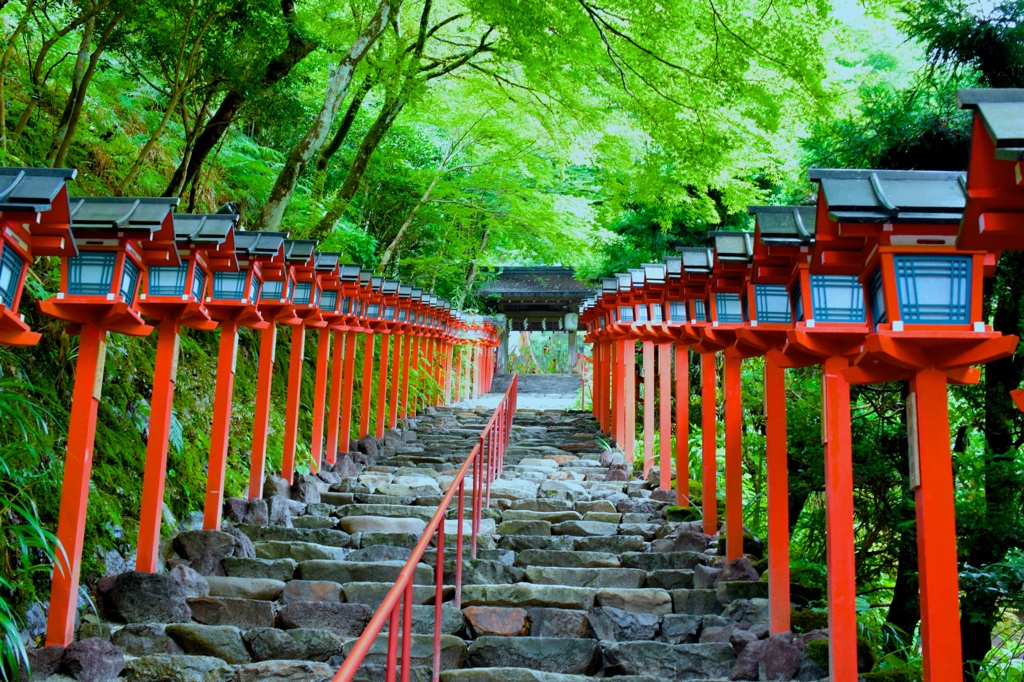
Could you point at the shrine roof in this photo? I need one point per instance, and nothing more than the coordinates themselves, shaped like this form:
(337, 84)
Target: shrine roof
(736, 247)
(259, 243)
(697, 259)
(535, 282)
(327, 262)
(878, 196)
(1002, 112)
(32, 189)
(785, 225)
(298, 250)
(197, 228)
(121, 213)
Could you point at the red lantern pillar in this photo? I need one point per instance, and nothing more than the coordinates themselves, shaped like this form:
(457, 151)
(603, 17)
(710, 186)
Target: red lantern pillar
(733, 455)
(709, 441)
(629, 398)
(648, 360)
(323, 354)
(364, 406)
(261, 417)
(396, 374)
(349, 377)
(291, 414)
(227, 356)
(458, 374)
(414, 364)
(778, 496)
(382, 385)
(665, 415)
(411, 347)
(334, 401)
(682, 425)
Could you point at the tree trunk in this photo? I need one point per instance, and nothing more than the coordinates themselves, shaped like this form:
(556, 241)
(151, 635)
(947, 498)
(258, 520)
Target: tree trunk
(350, 186)
(133, 172)
(4, 61)
(390, 251)
(337, 86)
(297, 49)
(473, 269)
(77, 79)
(325, 155)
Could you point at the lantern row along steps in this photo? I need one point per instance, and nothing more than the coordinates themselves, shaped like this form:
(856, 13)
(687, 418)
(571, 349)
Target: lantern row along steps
(578, 575)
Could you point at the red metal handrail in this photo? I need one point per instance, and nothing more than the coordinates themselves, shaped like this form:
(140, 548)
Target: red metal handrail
(488, 454)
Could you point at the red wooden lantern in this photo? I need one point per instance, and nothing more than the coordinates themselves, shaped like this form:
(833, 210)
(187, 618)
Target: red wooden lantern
(36, 222)
(98, 293)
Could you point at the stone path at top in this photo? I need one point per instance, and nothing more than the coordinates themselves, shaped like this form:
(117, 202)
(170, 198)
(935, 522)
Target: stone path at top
(578, 576)
(536, 392)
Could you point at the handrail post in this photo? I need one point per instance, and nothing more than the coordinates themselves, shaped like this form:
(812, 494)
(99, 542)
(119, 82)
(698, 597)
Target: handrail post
(407, 628)
(458, 545)
(392, 644)
(438, 598)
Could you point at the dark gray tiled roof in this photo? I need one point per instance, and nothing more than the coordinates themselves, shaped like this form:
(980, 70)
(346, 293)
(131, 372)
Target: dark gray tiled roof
(733, 246)
(874, 196)
(122, 213)
(785, 224)
(298, 250)
(193, 228)
(350, 272)
(696, 259)
(259, 243)
(327, 262)
(32, 189)
(1002, 112)
(534, 282)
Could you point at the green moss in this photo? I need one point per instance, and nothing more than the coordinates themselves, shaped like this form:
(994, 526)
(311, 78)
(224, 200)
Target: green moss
(674, 513)
(817, 651)
(805, 620)
(895, 675)
(865, 655)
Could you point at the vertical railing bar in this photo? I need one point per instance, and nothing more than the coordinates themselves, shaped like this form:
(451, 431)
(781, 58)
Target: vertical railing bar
(458, 546)
(438, 601)
(406, 631)
(392, 644)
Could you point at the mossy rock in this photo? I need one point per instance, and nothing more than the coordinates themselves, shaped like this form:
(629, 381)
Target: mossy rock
(751, 544)
(894, 675)
(865, 656)
(817, 651)
(675, 513)
(804, 620)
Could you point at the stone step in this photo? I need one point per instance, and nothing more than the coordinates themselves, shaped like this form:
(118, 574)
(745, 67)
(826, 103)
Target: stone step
(545, 654)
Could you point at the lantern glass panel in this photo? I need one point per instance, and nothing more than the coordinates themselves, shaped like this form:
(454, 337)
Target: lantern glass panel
(934, 289)
(229, 286)
(11, 266)
(402, 315)
(600, 323)
(272, 290)
(641, 313)
(389, 312)
(656, 313)
(729, 308)
(291, 289)
(198, 284)
(699, 310)
(304, 294)
(879, 315)
(254, 288)
(837, 298)
(373, 310)
(772, 301)
(798, 303)
(328, 300)
(677, 311)
(167, 280)
(129, 280)
(625, 313)
(90, 273)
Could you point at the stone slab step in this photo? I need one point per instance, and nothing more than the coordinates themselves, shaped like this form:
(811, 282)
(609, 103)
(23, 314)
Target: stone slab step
(545, 654)
(586, 577)
(361, 571)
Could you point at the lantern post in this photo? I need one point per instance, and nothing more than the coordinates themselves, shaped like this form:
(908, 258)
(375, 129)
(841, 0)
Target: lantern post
(173, 295)
(339, 409)
(328, 275)
(36, 221)
(399, 330)
(275, 307)
(99, 283)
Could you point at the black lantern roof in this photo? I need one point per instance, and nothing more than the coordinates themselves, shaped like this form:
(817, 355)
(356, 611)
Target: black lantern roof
(696, 259)
(625, 281)
(266, 244)
(298, 250)
(609, 285)
(32, 189)
(350, 272)
(365, 278)
(637, 277)
(194, 228)
(417, 294)
(655, 273)
(390, 287)
(785, 225)
(733, 247)
(377, 284)
(121, 213)
(404, 291)
(1002, 112)
(327, 262)
(674, 267)
(874, 196)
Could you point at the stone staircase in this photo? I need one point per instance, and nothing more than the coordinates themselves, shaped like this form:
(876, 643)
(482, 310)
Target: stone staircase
(578, 575)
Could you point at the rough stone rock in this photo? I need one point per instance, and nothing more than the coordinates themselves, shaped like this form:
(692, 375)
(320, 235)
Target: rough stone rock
(683, 542)
(453, 653)
(585, 528)
(244, 548)
(345, 467)
(283, 671)
(542, 557)
(669, 661)
(586, 577)
(222, 641)
(540, 528)
(245, 588)
(600, 506)
(360, 571)
(299, 551)
(550, 517)
(235, 509)
(368, 446)
(381, 553)
(747, 610)
(145, 639)
(242, 613)
(696, 602)
(616, 544)
(705, 577)
(311, 590)
(615, 625)
(612, 458)
(484, 572)
(656, 561)
(543, 505)
(527, 594)
(741, 638)
(305, 644)
(281, 509)
(276, 486)
(272, 569)
(43, 662)
(328, 476)
(570, 656)
(371, 524)
(780, 659)
(664, 495)
(671, 579)
(547, 622)
(519, 543)
(658, 602)
(172, 668)
(496, 620)
(135, 597)
(638, 505)
(680, 628)
(258, 513)
(407, 540)
(309, 521)
(345, 619)
(734, 590)
(739, 569)
(603, 517)
(207, 565)
(617, 475)
(746, 666)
